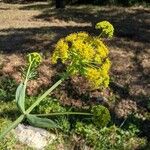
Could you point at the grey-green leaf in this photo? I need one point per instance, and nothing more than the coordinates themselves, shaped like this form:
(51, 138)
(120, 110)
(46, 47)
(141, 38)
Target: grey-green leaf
(20, 97)
(41, 122)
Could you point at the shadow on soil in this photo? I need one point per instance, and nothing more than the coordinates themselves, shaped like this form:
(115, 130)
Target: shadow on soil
(130, 23)
(31, 39)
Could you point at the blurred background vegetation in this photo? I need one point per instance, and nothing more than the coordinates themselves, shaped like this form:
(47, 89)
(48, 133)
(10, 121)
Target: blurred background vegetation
(62, 3)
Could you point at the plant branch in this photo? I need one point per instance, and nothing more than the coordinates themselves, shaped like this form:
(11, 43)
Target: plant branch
(28, 72)
(63, 113)
(45, 94)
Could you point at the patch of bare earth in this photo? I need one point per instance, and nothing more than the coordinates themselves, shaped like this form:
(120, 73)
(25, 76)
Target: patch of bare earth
(14, 16)
(37, 27)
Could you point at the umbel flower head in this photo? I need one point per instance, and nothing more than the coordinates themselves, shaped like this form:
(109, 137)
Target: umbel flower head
(84, 55)
(106, 28)
(34, 58)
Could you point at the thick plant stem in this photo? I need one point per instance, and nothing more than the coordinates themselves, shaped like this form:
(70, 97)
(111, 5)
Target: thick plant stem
(12, 126)
(64, 113)
(44, 95)
(27, 75)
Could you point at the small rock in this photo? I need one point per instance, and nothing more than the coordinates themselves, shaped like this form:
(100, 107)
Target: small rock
(36, 138)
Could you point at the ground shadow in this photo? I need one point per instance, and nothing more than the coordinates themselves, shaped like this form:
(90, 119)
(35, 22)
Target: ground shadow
(33, 39)
(129, 23)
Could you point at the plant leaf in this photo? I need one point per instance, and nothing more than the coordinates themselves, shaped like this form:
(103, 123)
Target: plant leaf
(20, 97)
(41, 122)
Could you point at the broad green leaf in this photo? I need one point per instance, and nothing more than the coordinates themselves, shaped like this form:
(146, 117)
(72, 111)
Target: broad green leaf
(41, 122)
(20, 97)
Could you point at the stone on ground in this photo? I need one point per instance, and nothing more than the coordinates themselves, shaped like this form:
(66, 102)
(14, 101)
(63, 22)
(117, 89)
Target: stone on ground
(36, 138)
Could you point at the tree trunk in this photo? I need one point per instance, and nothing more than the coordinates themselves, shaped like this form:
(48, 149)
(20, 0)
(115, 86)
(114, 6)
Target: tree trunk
(60, 4)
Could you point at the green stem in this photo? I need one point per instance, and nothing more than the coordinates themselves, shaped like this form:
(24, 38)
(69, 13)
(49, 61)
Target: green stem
(63, 113)
(27, 75)
(44, 95)
(12, 126)
(100, 34)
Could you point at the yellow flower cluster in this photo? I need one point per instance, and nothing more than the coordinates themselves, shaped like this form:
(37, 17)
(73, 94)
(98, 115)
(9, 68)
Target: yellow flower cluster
(61, 51)
(99, 76)
(34, 58)
(85, 55)
(106, 28)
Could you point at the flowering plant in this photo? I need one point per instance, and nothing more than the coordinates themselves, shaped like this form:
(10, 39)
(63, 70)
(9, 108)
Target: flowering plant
(84, 55)
(106, 29)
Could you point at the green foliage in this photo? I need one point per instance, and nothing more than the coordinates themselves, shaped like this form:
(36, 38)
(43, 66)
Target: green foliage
(9, 141)
(41, 122)
(101, 115)
(64, 124)
(20, 97)
(7, 88)
(29, 101)
(8, 110)
(89, 132)
(113, 138)
(34, 59)
(50, 105)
